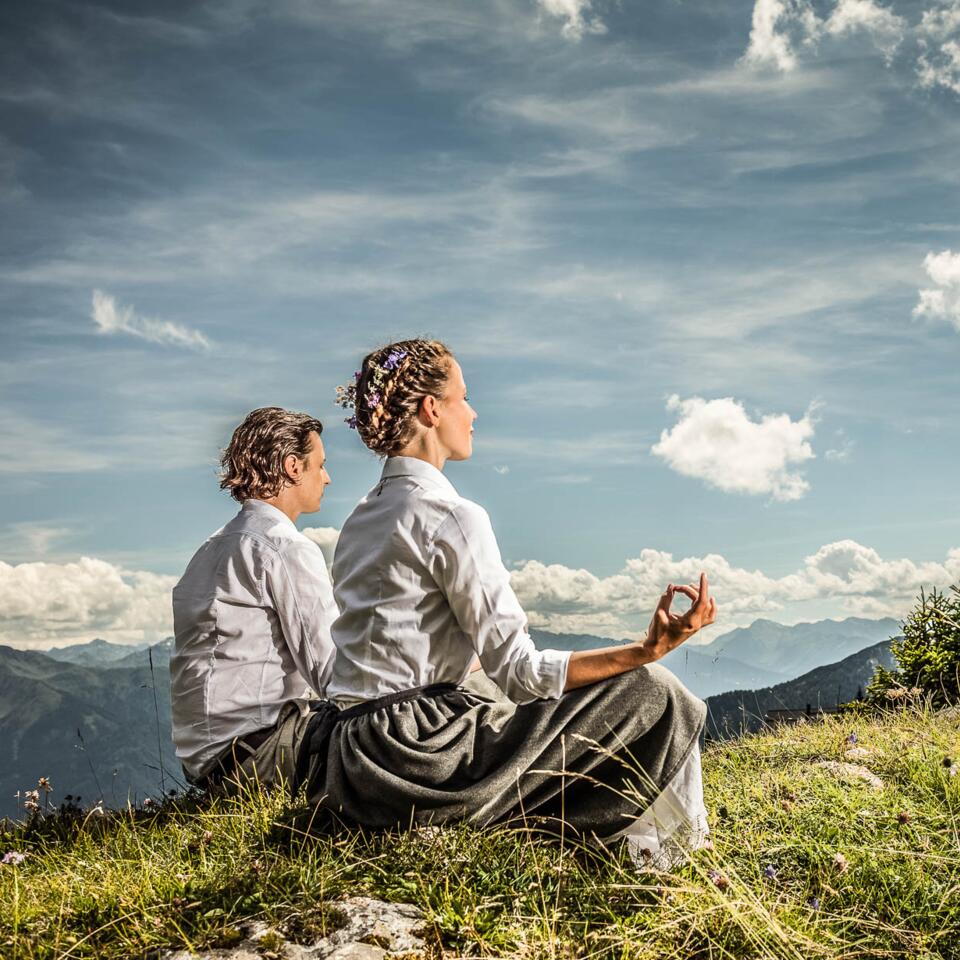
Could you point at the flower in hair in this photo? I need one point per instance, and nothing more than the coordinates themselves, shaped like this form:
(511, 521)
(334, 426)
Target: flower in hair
(351, 422)
(373, 400)
(394, 359)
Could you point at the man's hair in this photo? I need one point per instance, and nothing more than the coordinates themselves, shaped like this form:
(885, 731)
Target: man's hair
(252, 465)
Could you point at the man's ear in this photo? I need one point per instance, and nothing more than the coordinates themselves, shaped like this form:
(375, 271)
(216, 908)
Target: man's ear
(293, 468)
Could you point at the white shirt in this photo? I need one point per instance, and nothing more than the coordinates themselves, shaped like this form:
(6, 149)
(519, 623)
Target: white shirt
(423, 591)
(252, 618)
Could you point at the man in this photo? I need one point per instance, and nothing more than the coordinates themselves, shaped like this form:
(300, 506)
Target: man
(252, 613)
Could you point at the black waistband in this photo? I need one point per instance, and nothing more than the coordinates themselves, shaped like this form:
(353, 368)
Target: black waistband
(371, 706)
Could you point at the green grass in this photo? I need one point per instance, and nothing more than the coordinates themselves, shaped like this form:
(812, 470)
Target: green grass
(191, 872)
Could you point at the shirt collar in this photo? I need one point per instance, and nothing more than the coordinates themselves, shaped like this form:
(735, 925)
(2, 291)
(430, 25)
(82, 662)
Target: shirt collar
(415, 467)
(267, 510)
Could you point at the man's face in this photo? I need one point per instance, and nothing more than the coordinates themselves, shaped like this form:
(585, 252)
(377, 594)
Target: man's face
(315, 478)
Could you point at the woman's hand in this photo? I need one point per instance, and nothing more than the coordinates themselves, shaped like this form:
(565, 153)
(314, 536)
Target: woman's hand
(668, 630)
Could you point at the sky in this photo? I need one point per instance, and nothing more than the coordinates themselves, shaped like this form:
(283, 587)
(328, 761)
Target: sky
(700, 264)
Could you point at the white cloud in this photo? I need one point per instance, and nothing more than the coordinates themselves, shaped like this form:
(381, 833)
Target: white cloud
(943, 301)
(109, 318)
(885, 28)
(937, 35)
(780, 27)
(841, 578)
(503, 471)
(47, 604)
(716, 441)
(776, 27)
(325, 538)
(576, 17)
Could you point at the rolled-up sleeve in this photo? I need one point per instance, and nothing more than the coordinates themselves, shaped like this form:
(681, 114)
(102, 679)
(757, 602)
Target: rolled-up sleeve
(302, 594)
(468, 567)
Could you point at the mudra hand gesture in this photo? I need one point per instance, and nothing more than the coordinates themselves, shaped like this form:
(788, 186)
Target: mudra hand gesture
(668, 630)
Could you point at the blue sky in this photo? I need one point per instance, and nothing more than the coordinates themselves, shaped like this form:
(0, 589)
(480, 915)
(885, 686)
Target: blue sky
(700, 263)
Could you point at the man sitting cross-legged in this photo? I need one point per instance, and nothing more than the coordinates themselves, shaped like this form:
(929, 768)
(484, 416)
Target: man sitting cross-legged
(252, 613)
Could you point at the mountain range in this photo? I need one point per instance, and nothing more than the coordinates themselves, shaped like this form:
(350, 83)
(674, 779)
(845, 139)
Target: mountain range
(95, 718)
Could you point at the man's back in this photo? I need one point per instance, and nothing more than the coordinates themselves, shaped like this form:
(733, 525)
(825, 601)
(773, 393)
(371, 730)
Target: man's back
(252, 616)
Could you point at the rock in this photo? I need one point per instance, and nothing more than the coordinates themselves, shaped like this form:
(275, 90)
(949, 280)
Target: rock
(373, 930)
(850, 771)
(389, 927)
(357, 951)
(856, 753)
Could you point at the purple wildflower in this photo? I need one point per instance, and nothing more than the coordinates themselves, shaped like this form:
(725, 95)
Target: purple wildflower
(356, 376)
(351, 422)
(393, 360)
(13, 857)
(852, 738)
(770, 871)
(814, 903)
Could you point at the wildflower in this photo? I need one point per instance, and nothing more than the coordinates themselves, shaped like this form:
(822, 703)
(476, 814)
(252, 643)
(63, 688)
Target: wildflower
(903, 817)
(31, 795)
(13, 858)
(31, 805)
(852, 739)
(394, 359)
(44, 784)
(207, 836)
(916, 691)
(840, 862)
(895, 693)
(708, 845)
(373, 400)
(147, 802)
(718, 880)
(770, 872)
(814, 903)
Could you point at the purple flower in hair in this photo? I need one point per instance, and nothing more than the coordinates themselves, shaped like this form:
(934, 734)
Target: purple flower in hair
(373, 399)
(351, 422)
(356, 376)
(393, 359)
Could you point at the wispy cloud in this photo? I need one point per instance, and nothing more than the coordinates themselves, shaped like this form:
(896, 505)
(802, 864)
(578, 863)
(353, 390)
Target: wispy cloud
(716, 441)
(109, 319)
(941, 302)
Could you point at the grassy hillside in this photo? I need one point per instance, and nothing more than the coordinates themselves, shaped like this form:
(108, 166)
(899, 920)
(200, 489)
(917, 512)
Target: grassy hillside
(806, 864)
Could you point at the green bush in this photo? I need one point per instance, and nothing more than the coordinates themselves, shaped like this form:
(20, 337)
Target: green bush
(928, 654)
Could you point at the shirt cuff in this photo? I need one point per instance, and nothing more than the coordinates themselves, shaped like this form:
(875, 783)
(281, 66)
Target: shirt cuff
(547, 674)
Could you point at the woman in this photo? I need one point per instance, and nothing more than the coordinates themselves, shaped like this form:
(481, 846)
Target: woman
(585, 742)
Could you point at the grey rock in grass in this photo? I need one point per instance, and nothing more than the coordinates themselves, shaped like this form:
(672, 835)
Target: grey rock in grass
(372, 930)
(357, 951)
(393, 927)
(851, 771)
(856, 753)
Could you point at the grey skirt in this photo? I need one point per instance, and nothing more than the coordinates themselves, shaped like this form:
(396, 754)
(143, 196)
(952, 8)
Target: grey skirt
(592, 760)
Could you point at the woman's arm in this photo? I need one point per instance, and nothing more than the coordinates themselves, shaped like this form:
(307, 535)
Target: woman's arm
(666, 632)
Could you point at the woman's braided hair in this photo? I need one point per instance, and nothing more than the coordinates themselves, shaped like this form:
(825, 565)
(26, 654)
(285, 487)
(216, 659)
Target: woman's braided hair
(388, 389)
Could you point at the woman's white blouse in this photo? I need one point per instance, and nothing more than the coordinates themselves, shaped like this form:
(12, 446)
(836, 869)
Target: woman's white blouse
(422, 591)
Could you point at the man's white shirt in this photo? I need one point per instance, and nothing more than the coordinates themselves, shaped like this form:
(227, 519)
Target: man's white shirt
(252, 617)
(423, 591)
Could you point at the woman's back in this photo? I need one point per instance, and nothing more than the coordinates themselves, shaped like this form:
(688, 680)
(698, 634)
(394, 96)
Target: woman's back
(422, 590)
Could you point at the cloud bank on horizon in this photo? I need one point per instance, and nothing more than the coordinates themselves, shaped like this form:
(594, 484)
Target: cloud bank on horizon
(44, 604)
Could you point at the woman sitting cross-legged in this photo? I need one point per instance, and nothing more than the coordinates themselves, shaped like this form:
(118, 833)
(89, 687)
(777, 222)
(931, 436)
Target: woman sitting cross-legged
(597, 743)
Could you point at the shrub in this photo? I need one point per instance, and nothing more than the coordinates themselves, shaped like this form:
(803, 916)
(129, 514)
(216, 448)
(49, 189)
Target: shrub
(928, 654)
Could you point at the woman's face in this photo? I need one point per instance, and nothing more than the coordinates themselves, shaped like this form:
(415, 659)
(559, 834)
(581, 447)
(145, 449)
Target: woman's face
(455, 430)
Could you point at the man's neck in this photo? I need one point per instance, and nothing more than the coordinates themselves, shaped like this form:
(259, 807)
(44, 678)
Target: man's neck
(286, 505)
